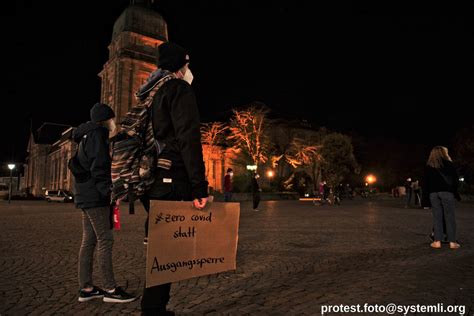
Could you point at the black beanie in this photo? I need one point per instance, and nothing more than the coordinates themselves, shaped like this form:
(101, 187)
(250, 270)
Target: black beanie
(101, 112)
(171, 57)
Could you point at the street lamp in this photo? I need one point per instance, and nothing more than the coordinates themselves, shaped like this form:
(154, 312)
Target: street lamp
(11, 166)
(370, 179)
(270, 173)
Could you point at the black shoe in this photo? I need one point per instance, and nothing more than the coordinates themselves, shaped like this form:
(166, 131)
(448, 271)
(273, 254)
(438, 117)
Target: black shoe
(118, 296)
(145, 241)
(85, 296)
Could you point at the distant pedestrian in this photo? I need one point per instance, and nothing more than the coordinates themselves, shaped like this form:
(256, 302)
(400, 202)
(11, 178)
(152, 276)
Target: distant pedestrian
(228, 185)
(441, 185)
(91, 168)
(321, 189)
(256, 192)
(415, 186)
(349, 192)
(326, 191)
(408, 192)
(338, 192)
(395, 192)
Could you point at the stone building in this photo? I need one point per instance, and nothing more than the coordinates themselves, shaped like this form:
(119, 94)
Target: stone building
(49, 149)
(132, 56)
(61, 151)
(217, 159)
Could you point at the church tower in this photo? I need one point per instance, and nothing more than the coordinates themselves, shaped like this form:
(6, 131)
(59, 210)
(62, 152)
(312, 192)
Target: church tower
(132, 55)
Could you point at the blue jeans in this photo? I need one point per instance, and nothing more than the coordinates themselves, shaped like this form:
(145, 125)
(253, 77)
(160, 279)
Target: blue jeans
(443, 203)
(228, 196)
(96, 231)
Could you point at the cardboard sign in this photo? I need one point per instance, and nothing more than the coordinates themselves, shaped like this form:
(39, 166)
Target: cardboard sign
(184, 243)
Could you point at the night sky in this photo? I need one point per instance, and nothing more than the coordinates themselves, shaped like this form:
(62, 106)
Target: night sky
(395, 76)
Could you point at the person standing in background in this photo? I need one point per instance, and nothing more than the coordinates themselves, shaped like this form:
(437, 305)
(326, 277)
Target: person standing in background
(441, 186)
(256, 192)
(228, 187)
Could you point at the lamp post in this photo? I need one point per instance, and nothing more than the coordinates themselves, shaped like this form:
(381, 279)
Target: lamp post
(11, 166)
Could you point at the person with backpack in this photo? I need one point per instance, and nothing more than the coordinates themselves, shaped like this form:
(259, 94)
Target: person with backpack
(92, 186)
(179, 173)
(441, 186)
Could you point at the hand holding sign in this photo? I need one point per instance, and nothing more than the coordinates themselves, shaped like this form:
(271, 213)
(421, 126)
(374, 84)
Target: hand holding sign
(200, 203)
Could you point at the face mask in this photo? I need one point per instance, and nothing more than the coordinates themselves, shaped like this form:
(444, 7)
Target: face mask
(188, 76)
(231, 174)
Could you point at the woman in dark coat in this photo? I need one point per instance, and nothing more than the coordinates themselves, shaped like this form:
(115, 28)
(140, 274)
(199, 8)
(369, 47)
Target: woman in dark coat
(92, 196)
(441, 187)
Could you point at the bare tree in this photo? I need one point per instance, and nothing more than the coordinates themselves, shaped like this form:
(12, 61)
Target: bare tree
(212, 134)
(247, 132)
(305, 155)
(302, 154)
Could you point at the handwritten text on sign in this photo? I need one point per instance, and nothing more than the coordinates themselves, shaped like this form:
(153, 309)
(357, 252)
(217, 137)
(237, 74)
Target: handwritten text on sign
(184, 243)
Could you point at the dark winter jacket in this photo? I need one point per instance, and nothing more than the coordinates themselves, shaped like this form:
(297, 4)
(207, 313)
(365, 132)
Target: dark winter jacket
(175, 119)
(93, 155)
(255, 186)
(444, 179)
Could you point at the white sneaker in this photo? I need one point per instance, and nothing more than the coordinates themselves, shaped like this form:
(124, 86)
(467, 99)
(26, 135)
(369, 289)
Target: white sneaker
(256, 210)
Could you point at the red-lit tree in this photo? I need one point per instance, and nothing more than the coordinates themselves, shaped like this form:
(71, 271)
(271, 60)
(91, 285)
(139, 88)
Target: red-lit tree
(212, 134)
(306, 156)
(247, 133)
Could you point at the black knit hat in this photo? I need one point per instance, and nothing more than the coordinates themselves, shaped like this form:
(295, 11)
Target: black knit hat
(101, 112)
(171, 57)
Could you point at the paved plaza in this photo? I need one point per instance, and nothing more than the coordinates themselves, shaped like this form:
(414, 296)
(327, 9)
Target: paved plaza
(293, 257)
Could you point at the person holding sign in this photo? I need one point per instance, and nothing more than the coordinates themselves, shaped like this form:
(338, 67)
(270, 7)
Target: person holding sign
(180, 172)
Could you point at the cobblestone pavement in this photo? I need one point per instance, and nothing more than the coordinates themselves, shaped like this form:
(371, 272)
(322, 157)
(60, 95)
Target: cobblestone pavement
(293, 257)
